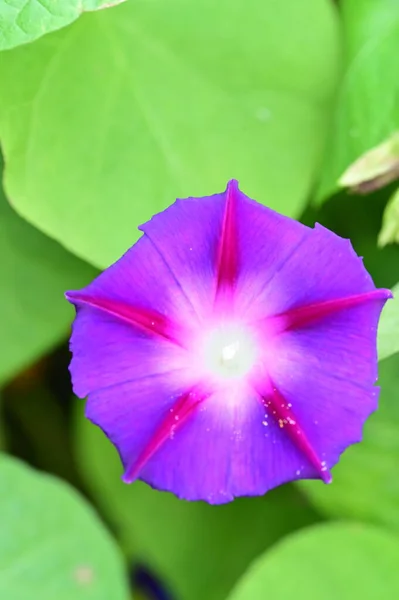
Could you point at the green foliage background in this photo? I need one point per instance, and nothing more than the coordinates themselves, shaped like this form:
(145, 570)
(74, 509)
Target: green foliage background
(105, 118)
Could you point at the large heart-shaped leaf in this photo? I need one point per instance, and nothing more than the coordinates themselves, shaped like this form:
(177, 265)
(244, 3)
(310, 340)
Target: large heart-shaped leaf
(108, 121)
(367, 111)
(198, 550)
(365, 485)
(327, 562)
(23, 21)
(52, 543)
(35, 272)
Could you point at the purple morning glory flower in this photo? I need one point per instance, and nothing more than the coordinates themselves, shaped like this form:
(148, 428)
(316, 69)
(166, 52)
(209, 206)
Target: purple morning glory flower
(230, 350)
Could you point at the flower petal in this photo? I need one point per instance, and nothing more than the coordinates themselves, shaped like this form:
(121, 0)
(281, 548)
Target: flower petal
(187, 236)
(266, 242)
(139, 318)
(131, 413)
(107, 352)
(141, 278)
(227, 449)
(108, 343)
(322, 267)
(221, 238)
(227, 263)
(308, 314)
(179, 412)
(280, 410)
(327, 371)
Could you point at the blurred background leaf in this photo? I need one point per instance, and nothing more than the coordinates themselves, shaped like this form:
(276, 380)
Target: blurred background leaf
(22, 21)
(109, 120)
(367, 111)
(104, 123)
(388, 330)
(3, 441)
(199, 550)
(390, 222)
(358, 219)
(354, 218)
(365, 483)
(327, 562)
(35, 272)
(375, 168)
(52, 543)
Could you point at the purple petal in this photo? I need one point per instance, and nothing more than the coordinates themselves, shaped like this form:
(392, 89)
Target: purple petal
(322, 267)
(280, 410)
(177, 415)
(187, 236)
(227, 263)
(141, 278)
(228, 449)
(266, 241)
(131, 413)
(223, 238)
(141, 319)
(302, 316)
(107, 352)
(117, 315)
(327, 372)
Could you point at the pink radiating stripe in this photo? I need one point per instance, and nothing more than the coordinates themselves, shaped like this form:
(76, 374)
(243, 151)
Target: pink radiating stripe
(279, 409)
(177, 416)
(227, 258)
(142, 318)
(305, 315)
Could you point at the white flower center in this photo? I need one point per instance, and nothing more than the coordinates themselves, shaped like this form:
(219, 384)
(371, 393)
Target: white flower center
(228, 351)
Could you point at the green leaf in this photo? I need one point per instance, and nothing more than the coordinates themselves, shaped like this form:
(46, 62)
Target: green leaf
(367, 111)
(388, 329)
(52, 543)
(199, 550)
(390, 222)
(365, 485)
(349, 218)
(345, 561)
(3, 436)
(108, 121)
(23, 21)
(374, 169)
(35, 272)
